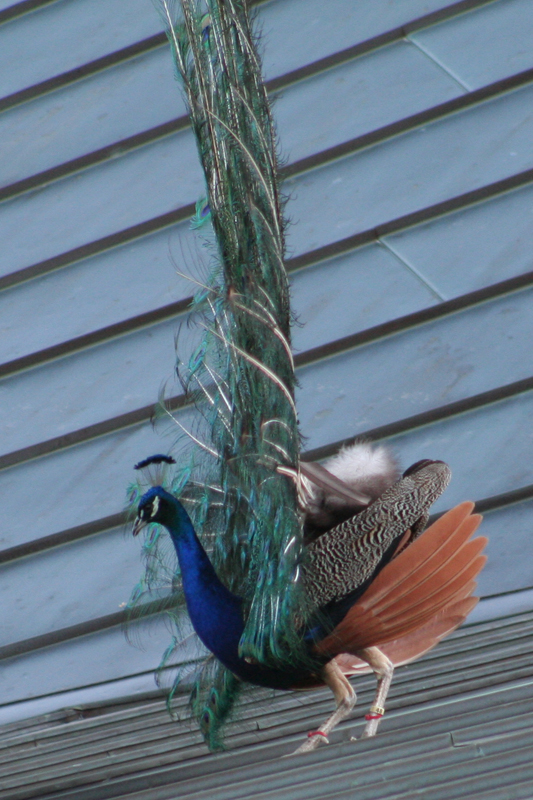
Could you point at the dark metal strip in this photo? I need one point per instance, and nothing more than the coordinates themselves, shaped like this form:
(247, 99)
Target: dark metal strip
(140, 416)
(113, 150)
(19, 9)
(410, 220)
(98, 246)
(63, 537)
(84, 71)
(505, 499)
(435, 415)
(129, 419)
(85, 628)
(311, 356)
(63, 349)
(432, 114)
(309, 258)
(415, 319)
(375, 43)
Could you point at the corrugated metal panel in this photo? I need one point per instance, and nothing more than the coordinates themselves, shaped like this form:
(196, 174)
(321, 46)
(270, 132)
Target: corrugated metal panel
(90, 477)
(347, 302)
(426, 367)
(138, 278)
(65, 660)
(93, 385)
(410, 173)
(88, 115)
(445, 733)
(100, 587)
(358, 97)
(301, 31)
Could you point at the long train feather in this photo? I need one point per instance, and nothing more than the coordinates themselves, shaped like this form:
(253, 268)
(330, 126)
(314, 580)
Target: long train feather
(242, 374)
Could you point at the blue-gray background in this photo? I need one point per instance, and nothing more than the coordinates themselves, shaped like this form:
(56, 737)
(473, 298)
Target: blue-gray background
(407, 129)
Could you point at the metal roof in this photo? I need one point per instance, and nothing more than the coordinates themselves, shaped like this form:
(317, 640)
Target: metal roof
(406, 129)
(460, 723)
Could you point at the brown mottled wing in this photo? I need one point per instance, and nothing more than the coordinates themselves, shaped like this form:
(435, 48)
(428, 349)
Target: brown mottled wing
(420, 596)
(351, 554)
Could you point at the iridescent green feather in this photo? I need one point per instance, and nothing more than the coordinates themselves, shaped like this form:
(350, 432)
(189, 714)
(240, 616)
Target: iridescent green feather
(241, 377)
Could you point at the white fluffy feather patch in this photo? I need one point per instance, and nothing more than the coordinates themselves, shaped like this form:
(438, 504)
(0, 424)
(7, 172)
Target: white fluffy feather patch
(362, 460)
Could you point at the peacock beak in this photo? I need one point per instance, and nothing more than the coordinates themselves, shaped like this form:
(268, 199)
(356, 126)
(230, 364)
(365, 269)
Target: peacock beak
(138, 525)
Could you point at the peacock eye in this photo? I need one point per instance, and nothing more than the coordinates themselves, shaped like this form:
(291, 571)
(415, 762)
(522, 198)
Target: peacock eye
(150, 509)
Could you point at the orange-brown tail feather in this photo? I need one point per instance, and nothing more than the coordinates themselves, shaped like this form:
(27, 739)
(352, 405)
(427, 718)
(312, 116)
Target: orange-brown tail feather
(412, 646)
(432, 551)
(439, 584)
(420, 596)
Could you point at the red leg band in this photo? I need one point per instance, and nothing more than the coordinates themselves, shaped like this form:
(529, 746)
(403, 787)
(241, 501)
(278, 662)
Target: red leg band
(316, 733)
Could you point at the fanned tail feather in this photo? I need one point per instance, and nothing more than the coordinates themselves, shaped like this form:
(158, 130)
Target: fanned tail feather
(427, 547)
(412, 646)
(420, 596)
(444, 556)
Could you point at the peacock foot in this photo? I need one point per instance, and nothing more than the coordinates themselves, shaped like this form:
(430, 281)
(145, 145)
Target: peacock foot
(314, 740)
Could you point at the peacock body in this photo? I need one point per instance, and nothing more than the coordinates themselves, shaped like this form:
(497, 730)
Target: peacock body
(429, 592)
(285, 598)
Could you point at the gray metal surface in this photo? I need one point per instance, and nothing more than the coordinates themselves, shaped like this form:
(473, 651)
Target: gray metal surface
(101, 587)
(138, 278)
(95, 384)
(347, 303)
(92, 478)
(444, 364)
(474, 247)
(88, 660)
(484, 46)
(301, 31)
(494, 457)
(358, 97)
(97, 202)
(406, 127)
(426, 367)
(68, 35)
(429, 165)
(88, 115)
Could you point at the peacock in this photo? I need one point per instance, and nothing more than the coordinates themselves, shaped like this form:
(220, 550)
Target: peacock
(294, 575)
(374, 581)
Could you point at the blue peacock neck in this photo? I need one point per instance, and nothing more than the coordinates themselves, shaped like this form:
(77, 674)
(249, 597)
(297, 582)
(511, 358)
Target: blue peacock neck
(215, 612)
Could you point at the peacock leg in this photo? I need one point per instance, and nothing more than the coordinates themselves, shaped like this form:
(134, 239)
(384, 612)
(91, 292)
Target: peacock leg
(383, 670)
(345, 698)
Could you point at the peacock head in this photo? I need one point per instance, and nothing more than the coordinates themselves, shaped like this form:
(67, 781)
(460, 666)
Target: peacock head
(157, 505)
